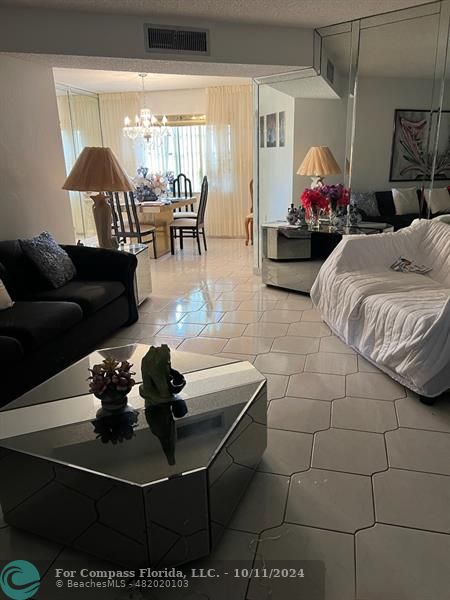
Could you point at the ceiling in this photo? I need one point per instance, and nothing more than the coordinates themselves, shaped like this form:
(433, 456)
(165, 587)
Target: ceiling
(124, 81)
(295, 13)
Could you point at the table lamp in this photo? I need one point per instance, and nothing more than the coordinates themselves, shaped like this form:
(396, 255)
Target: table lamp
(317, 164)
(98, 170)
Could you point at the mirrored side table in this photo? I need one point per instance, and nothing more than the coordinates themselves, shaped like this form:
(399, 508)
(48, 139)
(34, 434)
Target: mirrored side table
(143, 276)
(292, 256)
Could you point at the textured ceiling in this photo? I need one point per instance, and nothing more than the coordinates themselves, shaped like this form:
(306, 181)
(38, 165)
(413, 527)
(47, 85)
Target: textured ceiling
(124, 81)
(305, 13)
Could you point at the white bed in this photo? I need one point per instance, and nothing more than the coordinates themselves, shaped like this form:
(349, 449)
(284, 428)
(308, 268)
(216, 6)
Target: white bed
(398, 321)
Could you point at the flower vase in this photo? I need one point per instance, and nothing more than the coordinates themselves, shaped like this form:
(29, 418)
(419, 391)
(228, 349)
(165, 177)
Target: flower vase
(313, 217)
(332, 213)
(113, 402)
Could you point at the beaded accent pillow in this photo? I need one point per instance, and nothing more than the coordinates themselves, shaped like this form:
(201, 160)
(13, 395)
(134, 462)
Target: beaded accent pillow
(52, 261)
(365, 202)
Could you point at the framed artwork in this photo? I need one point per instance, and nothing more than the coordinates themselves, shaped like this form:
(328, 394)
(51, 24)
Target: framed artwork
(412, 152)
(262, 132)
(282, 129)
(271, 130)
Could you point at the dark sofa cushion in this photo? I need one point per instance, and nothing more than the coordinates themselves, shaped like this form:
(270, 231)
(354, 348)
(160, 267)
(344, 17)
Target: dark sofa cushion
(35, 323)
(20, 276)
(397, 221)
(91, 296)
(385, 203)
(11, 351)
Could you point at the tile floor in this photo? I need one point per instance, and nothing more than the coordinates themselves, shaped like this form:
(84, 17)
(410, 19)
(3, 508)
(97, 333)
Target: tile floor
(357, 470)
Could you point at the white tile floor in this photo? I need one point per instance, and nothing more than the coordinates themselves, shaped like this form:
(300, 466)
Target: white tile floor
(356, 472)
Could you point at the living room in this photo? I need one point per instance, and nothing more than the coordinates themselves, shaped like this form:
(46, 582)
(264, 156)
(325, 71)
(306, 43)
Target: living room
(292, 413)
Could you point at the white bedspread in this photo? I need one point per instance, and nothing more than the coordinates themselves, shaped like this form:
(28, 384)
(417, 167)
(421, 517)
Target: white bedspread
(398, 321)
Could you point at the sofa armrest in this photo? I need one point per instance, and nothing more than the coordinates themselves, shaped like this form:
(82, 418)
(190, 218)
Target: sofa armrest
(11, 351)
(377, 251)
(106, 265)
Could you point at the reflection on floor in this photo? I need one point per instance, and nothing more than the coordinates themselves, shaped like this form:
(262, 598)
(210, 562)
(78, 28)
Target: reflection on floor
(357, 471)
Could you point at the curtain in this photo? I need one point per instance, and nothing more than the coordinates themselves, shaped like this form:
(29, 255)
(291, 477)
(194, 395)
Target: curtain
(222, 149)
(79, 119)
(182, 152)
(113, 109)
(229, 162)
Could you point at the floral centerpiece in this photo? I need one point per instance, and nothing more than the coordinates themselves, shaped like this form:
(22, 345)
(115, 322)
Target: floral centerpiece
(111, 381)
(337, 195)
(324, 200)
(150, 186)
(314, 204)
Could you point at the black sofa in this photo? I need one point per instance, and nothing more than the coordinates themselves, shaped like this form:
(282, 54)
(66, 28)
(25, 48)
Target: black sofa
(47, 329)
(386, 207)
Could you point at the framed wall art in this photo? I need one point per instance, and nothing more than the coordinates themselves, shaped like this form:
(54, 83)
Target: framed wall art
(412, 145)
(271, 130)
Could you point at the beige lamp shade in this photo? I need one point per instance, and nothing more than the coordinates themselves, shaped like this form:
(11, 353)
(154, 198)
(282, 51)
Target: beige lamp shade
(319, 162)
(97, 170)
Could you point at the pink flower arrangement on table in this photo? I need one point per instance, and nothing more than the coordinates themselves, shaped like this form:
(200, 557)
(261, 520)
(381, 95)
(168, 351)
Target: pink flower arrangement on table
(325, 198)
(313, 199)
(337, 195)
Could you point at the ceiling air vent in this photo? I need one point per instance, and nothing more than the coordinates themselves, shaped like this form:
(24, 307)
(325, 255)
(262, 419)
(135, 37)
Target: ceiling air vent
(164, 38)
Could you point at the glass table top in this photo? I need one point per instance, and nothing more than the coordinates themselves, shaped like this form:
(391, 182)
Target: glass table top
(146, 444)
(73, 381)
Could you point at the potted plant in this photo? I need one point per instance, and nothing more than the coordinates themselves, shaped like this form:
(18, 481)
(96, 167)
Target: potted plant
(111, 381)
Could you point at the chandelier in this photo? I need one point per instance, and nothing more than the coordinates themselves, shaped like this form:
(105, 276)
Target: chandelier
(146, 126)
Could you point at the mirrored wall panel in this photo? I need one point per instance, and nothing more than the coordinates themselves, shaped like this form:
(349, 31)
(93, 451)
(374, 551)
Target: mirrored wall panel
(378, 101)
(79, 118)
(397, 112)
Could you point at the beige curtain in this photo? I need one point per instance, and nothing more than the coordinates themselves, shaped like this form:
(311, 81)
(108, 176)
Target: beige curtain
(113, 109)
(80, 126)
(229, 159)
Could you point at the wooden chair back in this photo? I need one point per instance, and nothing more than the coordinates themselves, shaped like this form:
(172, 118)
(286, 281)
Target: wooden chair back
(202, 203)
(182, 186)
(125, 219)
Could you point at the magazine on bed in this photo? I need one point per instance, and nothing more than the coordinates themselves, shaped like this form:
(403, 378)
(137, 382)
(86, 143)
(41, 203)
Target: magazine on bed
(409, 266)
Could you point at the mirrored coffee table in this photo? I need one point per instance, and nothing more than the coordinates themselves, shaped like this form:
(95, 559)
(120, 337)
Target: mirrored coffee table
(156, 492)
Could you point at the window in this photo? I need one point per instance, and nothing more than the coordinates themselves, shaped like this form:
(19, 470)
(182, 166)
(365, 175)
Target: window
(183, 151)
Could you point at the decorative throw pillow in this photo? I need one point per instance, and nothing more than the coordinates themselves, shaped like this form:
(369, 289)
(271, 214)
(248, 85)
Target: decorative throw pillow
(405, 201)
(5, 298)
(366, 202)
(438, 200)
(52, 261)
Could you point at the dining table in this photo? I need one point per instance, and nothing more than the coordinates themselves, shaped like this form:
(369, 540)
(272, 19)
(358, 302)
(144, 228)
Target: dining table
(159, 213)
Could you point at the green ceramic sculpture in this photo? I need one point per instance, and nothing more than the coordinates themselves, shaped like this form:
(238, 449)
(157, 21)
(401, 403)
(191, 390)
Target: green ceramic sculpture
(160, 381)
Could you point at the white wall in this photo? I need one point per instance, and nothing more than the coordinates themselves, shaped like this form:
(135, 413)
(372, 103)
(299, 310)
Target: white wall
(120, 35)
(275, 164)
(319, 122)
(377, 99)
(31, 155)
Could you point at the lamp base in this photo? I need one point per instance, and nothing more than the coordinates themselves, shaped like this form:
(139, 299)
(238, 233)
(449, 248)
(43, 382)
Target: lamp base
(316, 182)
(101, 210)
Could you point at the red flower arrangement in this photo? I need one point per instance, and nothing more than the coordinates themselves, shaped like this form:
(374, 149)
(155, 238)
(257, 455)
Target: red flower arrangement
(312, 199)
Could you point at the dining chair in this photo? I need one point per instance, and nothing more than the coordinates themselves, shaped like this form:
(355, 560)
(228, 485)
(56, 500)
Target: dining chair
(182, 188)
(191, 228)
(129, 228)
(249, 219)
